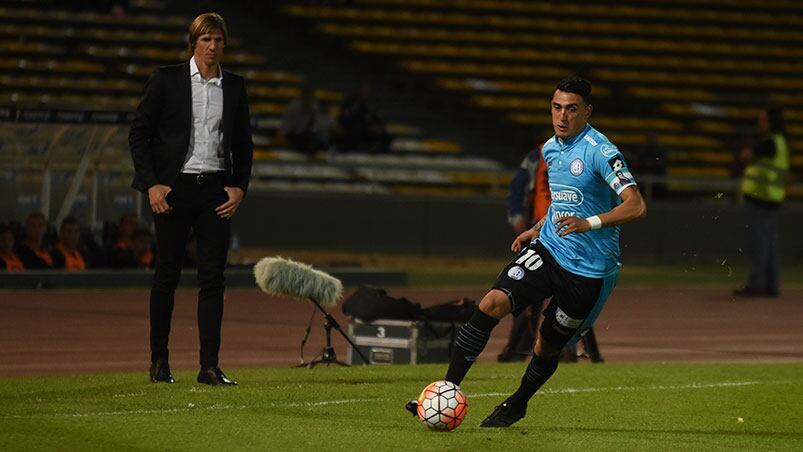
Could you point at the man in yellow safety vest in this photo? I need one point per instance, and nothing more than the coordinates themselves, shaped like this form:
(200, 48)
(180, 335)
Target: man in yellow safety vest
(764, 188)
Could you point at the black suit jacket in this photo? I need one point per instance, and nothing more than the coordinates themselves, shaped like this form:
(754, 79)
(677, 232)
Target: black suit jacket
(160, 133)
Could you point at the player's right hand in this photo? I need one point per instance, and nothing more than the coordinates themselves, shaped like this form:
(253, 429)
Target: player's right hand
(157, 196)
(522, 240)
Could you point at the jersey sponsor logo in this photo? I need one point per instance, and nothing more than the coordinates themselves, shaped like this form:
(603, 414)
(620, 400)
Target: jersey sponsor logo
(577, 167)
(565, 195)
(590, 140)
(616, 163)
(564, 319)
(608, 150)
(515, 273)
(558, 214)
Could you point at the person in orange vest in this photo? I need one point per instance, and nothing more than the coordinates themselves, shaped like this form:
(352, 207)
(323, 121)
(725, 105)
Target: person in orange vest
(66, 254)
(125, 231)
(32, 251)
(139, 254)
(142, 249)
(9, 261)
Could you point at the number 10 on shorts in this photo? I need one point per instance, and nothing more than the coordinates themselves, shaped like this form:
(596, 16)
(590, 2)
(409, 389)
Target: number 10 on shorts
(530, 260)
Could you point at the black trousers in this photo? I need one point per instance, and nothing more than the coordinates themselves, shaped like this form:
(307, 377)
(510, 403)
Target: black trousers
(763, 245)
(193, 200)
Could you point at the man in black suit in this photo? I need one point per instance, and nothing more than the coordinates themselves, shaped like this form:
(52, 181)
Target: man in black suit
(191, 145)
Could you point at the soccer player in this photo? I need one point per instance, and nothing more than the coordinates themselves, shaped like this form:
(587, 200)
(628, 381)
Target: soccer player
(571, 255)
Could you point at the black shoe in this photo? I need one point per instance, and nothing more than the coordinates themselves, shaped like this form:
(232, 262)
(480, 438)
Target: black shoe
(596, 358)
(160, 372)
(412, 406)
(214, 376)
(504, 415)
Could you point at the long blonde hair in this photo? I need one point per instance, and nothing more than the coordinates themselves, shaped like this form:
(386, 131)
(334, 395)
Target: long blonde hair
(203, 24)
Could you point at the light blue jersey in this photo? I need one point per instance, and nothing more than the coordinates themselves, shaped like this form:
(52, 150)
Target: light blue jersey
(586, 175)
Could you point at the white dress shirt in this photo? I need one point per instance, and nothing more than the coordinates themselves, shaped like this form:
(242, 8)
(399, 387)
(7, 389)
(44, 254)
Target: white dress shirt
(206, 138)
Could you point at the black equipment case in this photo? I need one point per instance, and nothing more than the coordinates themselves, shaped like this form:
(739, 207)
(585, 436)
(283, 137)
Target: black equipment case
(402, 341)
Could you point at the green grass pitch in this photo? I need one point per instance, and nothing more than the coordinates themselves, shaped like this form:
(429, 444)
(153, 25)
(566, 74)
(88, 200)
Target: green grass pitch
(608, 406)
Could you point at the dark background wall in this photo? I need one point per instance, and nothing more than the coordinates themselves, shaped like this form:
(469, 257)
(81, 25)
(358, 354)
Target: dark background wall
(689, 231)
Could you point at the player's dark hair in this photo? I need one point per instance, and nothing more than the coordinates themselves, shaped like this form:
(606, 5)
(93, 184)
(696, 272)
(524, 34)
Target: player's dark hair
(576, 85)
(775, 119)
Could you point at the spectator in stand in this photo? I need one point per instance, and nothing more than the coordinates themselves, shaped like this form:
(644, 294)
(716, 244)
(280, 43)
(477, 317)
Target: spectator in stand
(360, 124)
(125, 232)
(138, 255)
(9, 261)
(66, 254)
(32, 251)
(119, 240)
(119, 9)
(305, 126)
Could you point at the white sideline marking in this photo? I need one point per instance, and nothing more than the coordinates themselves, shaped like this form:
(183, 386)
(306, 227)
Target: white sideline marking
(346, 401)
(327, 402)
(123, 413)
(627, 388)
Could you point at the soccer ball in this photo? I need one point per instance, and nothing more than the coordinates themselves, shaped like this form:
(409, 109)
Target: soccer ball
(442, 406)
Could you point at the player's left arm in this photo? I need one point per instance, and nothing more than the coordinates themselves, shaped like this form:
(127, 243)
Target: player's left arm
(632, 208)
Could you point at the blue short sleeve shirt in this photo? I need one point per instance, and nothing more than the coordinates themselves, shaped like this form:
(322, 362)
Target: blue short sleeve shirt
(586, 175)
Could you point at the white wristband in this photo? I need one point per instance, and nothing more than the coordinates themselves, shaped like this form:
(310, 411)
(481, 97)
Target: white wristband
(595, 222)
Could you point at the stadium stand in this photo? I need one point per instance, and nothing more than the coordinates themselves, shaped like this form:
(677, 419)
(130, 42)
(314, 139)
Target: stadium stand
(695, 73)
(73, 77)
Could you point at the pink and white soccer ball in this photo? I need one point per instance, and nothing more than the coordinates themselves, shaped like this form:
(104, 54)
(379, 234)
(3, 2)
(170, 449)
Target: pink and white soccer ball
(442, 406)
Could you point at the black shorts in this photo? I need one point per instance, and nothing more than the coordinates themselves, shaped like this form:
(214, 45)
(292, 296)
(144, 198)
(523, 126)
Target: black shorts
(534, 275)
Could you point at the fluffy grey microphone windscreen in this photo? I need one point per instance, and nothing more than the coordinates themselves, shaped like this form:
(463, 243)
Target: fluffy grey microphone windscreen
(280, 276)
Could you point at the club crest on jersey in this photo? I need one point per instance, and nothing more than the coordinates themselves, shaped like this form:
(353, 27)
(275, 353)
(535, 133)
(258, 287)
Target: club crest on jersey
(515, 273)
(577, 167)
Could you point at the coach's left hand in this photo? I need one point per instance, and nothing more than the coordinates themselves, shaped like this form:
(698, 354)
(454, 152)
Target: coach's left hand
(227, 209)
(567, 225)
